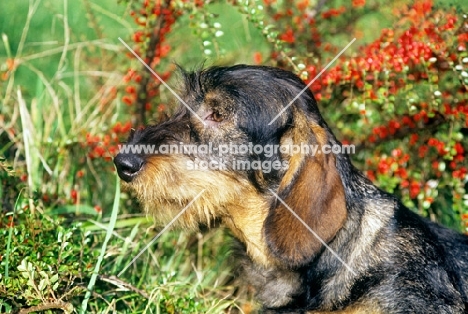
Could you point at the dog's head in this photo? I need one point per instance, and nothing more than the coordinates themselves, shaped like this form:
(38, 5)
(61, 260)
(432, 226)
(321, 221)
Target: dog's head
(252, 139)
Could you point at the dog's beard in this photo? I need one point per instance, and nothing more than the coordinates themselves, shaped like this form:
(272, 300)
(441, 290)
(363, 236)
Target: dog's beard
(165, 188)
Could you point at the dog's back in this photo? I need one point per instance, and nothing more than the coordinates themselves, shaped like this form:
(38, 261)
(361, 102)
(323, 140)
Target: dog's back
(430, 274)
(454, 248)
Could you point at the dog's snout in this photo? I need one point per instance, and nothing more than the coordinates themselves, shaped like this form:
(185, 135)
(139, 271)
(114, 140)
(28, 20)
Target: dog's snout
(128, 166)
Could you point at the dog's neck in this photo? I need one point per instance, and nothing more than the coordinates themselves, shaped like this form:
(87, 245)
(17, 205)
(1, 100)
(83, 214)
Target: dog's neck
(246, 218)
(356, 185)
(246, 223)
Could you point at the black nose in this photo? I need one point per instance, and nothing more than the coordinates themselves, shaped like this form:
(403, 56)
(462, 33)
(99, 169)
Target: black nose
(128, 166)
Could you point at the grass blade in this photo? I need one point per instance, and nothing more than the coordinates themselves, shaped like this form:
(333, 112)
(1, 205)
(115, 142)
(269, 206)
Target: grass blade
(110, 229)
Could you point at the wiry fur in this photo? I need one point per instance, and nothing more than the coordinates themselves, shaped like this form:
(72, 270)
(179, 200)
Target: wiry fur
(398, 262)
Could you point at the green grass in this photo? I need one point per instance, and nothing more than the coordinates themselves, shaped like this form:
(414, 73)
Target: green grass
(55, 260)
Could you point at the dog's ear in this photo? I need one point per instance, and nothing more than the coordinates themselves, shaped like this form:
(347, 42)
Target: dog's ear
(312, 188)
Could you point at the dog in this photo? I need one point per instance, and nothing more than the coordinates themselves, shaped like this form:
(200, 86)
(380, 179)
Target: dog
(317, 236)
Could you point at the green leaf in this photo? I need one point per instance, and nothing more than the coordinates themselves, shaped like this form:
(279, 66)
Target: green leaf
(74, 209)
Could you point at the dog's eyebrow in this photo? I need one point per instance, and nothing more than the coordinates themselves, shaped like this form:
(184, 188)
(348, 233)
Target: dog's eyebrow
(161, 80)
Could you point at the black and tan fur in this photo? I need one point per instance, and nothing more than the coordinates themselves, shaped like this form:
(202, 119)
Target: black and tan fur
(401, 263)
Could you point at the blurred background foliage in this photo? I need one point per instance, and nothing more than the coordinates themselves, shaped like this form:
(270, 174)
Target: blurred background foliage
(70, 92)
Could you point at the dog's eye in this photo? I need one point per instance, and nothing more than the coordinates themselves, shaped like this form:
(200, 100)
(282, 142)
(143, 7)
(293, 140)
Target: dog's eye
(215, 116)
